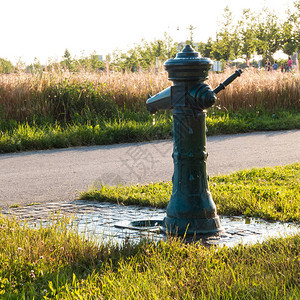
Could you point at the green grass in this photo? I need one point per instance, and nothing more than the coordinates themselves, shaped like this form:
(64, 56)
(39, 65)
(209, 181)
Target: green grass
(15, 206)
(130, 127)
(177, 271)
(55, 262)
(253, 120)
(267, 193)
(30, 137)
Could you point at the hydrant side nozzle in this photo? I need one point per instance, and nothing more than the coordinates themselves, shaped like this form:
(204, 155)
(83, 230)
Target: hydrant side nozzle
(203, 95)
(160, 101)
(208, 99)
(222, 85)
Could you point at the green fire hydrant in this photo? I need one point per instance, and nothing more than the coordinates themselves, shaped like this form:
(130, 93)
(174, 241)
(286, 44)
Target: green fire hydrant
(191, 209)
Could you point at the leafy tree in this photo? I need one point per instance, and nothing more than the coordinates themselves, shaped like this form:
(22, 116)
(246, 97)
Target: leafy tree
(236, 48)
(96, 63)
(171, 46)
(126, 61)
(268, 34)
(35, 67)
(247, 33)
(6, 66)
(144, 55)
(201, 47)
(207, 48)
(85, 63)
(20, 65)
(67, 60)
(289, 39)
(222, 48)
(190, 41)
(291, 30)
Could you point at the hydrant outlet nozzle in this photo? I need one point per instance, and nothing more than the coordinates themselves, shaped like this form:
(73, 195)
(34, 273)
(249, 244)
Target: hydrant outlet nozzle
(222, 85)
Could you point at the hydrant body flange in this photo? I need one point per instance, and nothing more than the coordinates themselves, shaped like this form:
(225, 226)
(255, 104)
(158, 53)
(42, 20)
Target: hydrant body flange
(191, 209)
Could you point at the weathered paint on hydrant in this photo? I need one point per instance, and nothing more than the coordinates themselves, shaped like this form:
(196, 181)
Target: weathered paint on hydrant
(191, 209)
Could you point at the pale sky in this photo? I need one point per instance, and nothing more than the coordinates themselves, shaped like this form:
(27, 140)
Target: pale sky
(45, 28)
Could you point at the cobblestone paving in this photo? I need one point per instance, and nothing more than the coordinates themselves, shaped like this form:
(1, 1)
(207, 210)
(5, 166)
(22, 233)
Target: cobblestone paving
(101, 220)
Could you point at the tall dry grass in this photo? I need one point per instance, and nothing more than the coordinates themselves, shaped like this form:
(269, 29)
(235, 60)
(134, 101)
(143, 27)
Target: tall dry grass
(22, 95)
(128, 88)
(258, 88)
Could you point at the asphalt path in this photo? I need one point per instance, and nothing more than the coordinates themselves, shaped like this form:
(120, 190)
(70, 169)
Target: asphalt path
(59, 175)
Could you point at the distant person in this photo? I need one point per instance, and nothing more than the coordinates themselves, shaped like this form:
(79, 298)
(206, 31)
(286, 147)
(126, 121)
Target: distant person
(282, 68)
(268, 65)
(275, 66)
(289, 64)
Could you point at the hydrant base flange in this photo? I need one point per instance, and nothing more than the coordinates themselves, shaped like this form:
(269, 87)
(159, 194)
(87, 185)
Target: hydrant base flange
(192, 226)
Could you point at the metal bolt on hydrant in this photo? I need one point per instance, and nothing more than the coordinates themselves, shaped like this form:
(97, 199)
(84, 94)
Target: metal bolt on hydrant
(191, 209)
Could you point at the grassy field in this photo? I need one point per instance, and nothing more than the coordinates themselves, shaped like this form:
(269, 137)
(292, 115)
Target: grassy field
(25, 137)
(52, 110)
(267, 193)
(56, 262)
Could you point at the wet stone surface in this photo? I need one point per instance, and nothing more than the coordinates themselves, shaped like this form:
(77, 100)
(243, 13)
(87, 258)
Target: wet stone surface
(111, 222)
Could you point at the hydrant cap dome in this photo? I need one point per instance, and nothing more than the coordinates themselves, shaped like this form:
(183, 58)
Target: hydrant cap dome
(188, 65)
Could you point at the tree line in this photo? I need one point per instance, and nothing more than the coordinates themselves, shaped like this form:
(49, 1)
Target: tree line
(261, 33)
(67, 63)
